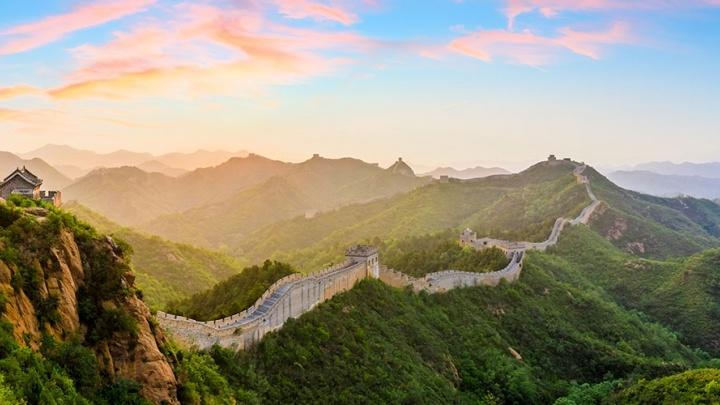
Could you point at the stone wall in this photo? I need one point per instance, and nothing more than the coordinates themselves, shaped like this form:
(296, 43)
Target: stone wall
(450, 279)
(289, 297)
(395, 278)
(296, 294)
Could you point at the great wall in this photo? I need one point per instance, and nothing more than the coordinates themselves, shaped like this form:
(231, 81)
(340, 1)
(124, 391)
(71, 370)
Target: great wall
(294, 295)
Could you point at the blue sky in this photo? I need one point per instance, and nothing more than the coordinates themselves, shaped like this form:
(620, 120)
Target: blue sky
(440, 82)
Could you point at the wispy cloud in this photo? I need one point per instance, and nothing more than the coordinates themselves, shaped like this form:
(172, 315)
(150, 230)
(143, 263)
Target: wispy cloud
(29, 36)
(528, 48)
(550, 8)
(299, 9)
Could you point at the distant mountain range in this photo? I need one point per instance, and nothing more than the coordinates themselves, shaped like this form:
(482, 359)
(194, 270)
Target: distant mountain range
(214, 204)
(470, 173)
(709, 169)
(665, 185)
(76, 163)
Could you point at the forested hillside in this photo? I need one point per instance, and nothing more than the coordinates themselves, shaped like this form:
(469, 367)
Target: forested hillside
(165, 271)
(682, 294)
(518, 207)
(528, 342)
(242, 194)
(589, 321)
(653, 226)
(305, 188)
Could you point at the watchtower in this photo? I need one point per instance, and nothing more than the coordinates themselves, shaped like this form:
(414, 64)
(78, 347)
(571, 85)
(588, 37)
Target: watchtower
(365, 254)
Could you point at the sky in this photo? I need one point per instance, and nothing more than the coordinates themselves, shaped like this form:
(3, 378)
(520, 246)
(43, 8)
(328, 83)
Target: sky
(439, 82)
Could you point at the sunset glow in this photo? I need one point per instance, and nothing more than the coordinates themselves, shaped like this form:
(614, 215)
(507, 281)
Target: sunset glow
(369, 78)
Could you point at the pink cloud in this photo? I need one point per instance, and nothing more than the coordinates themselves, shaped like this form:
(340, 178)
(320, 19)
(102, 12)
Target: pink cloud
(550, 8)
(25, 37)
(531, 49)
(206, 50)
(299, 9)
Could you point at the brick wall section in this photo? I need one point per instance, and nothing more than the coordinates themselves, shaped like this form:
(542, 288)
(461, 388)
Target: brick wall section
(289, 297)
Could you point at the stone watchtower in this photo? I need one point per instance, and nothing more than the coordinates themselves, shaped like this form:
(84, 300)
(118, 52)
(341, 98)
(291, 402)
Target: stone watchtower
(368, 255)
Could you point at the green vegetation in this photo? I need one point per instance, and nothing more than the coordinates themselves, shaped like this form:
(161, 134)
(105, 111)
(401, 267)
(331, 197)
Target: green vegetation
(166, 271)
(691, 387)
(522, 207)
(681, 294)
(379, 344)
(418, 256)
(62, 372)
(655, 227)
(65, 373)
(232, 295)
(317, 184)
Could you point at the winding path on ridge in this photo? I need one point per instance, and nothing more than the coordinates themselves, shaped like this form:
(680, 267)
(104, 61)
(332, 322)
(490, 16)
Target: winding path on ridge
(296, 294)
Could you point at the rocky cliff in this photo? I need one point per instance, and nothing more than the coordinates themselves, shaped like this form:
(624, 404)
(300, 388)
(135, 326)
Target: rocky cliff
(60, 279)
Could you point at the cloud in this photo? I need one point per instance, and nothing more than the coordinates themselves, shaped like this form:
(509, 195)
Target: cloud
(531, 49)
(550, 8)
(18, 91)
(299, 9)
(205, 51)
(7, 114)
(29, 36)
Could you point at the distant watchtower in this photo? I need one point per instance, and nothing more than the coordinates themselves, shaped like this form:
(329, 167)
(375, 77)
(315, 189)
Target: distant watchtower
(468, 237)
(553, 161)
(365, 254)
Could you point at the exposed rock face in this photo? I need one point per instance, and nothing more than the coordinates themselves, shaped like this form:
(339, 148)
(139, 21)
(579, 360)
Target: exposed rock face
(140, 359)
(136, 357)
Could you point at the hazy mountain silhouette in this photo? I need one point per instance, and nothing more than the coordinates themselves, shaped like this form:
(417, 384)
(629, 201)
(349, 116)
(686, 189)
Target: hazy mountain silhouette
(709, 169)
(67, 156)
(667, 185)
(305, 188)
(469, 173)
(131, 196)
(156, 166)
